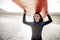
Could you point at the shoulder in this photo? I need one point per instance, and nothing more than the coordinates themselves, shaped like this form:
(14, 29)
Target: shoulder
(32, 23)
(41, 23)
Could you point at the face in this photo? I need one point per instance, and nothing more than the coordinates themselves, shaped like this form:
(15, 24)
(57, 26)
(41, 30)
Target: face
(36, 17)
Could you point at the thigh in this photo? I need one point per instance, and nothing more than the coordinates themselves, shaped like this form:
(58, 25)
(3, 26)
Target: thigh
(36, 38)
(33, 39)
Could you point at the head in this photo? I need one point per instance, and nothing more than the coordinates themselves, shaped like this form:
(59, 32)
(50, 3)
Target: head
(37, 17)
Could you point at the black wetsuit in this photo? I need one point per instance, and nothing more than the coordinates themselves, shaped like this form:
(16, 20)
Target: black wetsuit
(36, 27)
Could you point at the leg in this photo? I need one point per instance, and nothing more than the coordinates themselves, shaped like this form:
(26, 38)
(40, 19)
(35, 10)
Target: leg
(33, 38)
(36, 39)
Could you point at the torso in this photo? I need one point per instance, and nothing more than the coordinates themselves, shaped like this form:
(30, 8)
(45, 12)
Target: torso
(36, 30)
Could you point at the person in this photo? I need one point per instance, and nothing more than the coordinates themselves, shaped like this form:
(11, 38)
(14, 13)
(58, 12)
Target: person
(37, 25)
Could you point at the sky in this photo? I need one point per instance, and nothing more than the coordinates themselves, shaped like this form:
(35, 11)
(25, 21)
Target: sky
(9, 6)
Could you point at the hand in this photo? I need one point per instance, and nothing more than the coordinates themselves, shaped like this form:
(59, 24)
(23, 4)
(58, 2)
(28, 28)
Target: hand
(24, 10)
(47, 14)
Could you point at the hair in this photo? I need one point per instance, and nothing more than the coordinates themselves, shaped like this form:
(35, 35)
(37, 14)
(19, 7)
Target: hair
(41, 19)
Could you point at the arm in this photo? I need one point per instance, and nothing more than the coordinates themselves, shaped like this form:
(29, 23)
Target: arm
(49, 21)
(24, 19)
